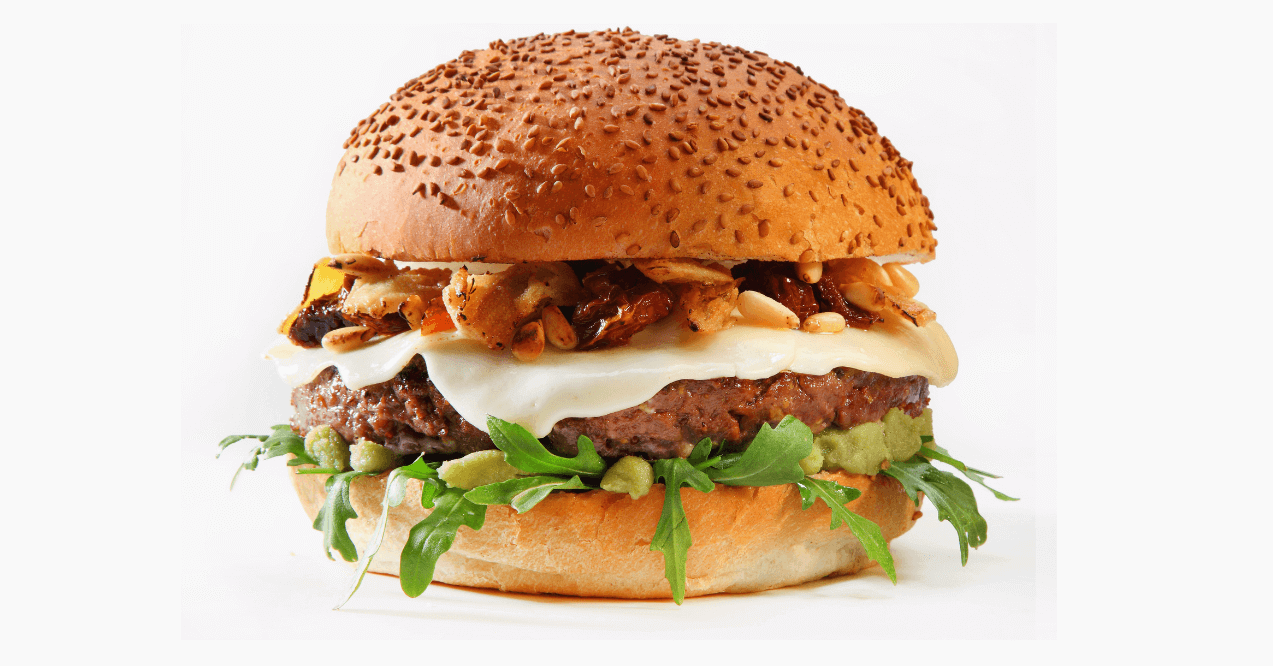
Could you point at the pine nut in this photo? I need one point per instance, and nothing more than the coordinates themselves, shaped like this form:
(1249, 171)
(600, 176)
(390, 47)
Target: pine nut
(904, 284)
(859, 269)
(363, 265)
(528, 343)
(810, 272)
(824, 322)
(413, 311)
(865, 296)
(557, 330)
(766, 311)
(347, 339)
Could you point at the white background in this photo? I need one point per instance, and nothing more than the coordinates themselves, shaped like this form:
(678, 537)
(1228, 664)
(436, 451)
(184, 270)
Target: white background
(1155, 392)
(264, 113)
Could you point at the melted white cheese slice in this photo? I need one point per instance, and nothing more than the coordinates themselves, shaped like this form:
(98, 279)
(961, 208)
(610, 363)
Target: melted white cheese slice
(563, 384)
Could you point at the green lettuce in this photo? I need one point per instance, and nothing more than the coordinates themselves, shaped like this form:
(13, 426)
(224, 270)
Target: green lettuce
(772, 458)
(836, 496)
(672, 534)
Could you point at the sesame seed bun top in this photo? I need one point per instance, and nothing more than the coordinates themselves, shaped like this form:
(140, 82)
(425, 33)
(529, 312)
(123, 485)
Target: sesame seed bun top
(618, 145)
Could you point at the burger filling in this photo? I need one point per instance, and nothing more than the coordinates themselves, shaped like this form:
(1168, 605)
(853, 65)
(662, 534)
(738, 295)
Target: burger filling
(352, 300)
(411, 417)
(612, 377)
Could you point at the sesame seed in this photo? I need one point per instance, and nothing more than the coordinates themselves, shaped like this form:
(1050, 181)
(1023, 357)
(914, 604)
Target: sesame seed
(694, 172)
(590, 190)
(763, 228)
(724, 196)
(788, 190)
(733, 172)
(642, 173)
(614, 168)
(753, 184)
(611, 128)
(557, 185)
(627, 190)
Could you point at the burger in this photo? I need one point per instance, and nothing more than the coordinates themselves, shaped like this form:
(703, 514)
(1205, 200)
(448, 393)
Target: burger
(618, 315)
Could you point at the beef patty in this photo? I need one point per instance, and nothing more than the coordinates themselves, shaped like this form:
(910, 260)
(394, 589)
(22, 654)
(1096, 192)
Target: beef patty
(409, 415)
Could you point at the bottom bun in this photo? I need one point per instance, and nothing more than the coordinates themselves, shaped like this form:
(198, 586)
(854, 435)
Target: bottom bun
(597, 543)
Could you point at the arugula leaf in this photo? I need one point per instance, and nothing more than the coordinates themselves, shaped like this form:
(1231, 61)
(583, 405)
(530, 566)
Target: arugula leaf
(523, 493)
(433, 536)
(395, 491)
(318, 470)
(938, 453)
(952, 497)
(280, 441)
(835, 496)
(772, 459)
(699, 456)
(249, 463)
(672, 534)
(235, 438)
(523, 451)
(283, 441)
(336, 510)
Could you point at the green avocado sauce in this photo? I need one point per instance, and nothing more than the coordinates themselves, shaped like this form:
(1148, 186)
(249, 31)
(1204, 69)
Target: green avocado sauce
(631, 475)
(478, 469)
(863, 448)
(368, 456)
(326, 446)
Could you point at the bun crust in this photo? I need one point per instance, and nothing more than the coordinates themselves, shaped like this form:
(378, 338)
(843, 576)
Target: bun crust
(617, 145)
(597, 543)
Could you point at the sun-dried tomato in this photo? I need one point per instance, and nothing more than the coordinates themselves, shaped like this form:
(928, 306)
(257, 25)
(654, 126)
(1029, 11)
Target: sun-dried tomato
(777, 280)
(831, 300)
(390, 324)
(316, 320)
(624, 302)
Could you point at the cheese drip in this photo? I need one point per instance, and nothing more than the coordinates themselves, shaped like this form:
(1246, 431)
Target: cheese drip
(564, 384)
